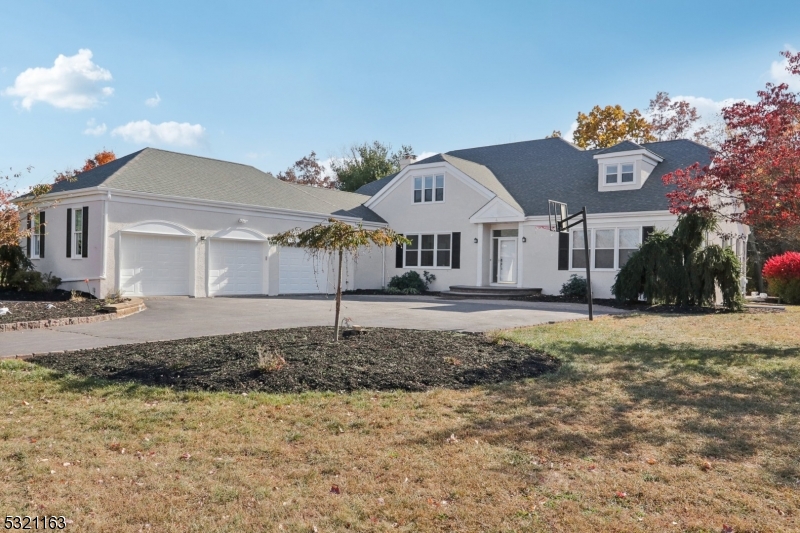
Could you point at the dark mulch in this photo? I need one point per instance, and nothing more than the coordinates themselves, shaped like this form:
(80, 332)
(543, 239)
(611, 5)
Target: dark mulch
(26, 307)
(380, 359)
(642, 307)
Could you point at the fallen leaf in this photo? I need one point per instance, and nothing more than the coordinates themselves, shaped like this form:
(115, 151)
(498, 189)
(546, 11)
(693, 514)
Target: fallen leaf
(32, 440)
(67, 464)
(726, 528)
(651, 461)
(25, 403)
(707, 466)
(115, 446)
(335, 489)
(591, 467)
(186, 456)
(621, 494)
(452, 439)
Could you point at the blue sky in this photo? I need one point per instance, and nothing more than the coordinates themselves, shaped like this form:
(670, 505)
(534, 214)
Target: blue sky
(264, 83)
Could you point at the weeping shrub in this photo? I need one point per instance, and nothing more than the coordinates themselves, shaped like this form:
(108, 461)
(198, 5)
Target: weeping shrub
(676, 269)
(782, 272)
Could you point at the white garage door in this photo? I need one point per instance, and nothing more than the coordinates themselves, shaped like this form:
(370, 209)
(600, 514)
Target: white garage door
(156, 265)
(300, 274)
(235, 267)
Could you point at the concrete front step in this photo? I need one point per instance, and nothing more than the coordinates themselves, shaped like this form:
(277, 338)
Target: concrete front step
(460, 292)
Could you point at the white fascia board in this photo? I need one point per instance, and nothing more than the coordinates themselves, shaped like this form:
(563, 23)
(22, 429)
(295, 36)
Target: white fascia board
(609, 218)
(496, 210)
(81, 195)
(644, 152)
(419, 169)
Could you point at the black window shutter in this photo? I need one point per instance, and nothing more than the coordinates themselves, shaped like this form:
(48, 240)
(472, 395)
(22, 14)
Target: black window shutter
(41, 234)
(646, 232)
(398, 257)
(69, 232)
(85, 248)
(28, 240)
(563, 251)
(456, 262)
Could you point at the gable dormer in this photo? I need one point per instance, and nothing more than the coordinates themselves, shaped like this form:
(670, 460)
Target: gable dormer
(624, 166)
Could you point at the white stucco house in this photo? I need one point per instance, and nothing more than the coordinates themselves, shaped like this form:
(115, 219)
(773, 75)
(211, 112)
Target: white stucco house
(163, 223)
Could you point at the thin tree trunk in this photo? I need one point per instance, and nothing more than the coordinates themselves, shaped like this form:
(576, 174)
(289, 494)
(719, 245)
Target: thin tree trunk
(338, 296)
(757, 262)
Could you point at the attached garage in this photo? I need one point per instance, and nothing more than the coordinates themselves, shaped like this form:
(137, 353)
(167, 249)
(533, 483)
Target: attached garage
(153, 264)
(236, 267)
(302, 274)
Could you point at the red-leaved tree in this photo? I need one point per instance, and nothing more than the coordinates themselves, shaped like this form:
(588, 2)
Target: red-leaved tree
(754, 177)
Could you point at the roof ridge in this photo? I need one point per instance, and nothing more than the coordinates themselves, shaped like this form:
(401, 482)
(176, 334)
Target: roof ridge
(204, 157)
(515, 142)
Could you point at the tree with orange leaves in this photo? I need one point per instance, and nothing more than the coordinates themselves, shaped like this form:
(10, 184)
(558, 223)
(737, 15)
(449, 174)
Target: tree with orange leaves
(14, 206)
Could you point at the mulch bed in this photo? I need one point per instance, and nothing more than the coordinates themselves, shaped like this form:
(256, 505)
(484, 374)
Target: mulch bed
(642, 307)
(26, 307)
(379, 359)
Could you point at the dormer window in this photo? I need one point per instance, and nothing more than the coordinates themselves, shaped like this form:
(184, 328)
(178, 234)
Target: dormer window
(624, 166)
(619, 173)
(429, 189)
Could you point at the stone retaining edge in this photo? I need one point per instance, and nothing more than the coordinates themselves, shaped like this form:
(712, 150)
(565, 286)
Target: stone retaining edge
(58, 322)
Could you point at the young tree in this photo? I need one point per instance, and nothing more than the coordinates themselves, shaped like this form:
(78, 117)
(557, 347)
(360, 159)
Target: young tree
(671, 119)
(754, 177)
(607, 126)
(337, 237)
(365, 163)
(308, 171)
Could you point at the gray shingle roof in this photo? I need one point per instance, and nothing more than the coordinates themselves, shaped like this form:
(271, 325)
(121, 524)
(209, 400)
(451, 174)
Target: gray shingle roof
(187, 176)
(553, 169)
(371, 188)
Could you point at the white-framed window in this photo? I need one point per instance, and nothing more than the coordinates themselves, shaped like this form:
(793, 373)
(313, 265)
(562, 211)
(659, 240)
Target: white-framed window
(619, 173)
(610, 248)
(77, 233)
(36, 236)
(429, 189)
(432, 250)
(604, 248)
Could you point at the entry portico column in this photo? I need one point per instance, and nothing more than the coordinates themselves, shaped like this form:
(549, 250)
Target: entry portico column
(479, 246)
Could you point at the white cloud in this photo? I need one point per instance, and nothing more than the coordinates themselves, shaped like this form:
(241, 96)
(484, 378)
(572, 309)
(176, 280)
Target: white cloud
(73, 82)
(779, 74)
(92, 128)
(173, 133)
(706, 107)
(153, 102)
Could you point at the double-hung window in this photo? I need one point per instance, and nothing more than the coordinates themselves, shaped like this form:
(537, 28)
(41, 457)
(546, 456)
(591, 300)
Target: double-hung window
(429, 250)
(628, 243)
(36, 236)
(619, 173)
(604, 248)
(429, 189)
(578, 250)
(77, 233)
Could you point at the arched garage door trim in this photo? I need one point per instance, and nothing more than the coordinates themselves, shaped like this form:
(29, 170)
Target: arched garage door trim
(156, 258)
(236, 263)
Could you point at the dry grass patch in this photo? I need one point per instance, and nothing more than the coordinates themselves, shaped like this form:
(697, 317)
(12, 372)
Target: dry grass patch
(652, 424)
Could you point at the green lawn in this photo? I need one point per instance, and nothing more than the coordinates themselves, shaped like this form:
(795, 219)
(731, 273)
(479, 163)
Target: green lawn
(653, 423)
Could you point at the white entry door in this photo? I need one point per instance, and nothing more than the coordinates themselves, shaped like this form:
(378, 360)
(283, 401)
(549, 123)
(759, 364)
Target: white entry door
(299, 273)
(156, 265)
(235, 267)
(507, 260)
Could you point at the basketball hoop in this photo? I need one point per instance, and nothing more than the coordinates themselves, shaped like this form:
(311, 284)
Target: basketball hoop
(557, 215)
(560, 221)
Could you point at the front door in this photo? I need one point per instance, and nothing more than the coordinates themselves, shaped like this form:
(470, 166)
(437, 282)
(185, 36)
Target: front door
(507, 259)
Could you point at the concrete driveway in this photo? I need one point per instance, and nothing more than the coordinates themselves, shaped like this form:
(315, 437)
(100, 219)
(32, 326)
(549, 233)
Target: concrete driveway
(179, 317)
